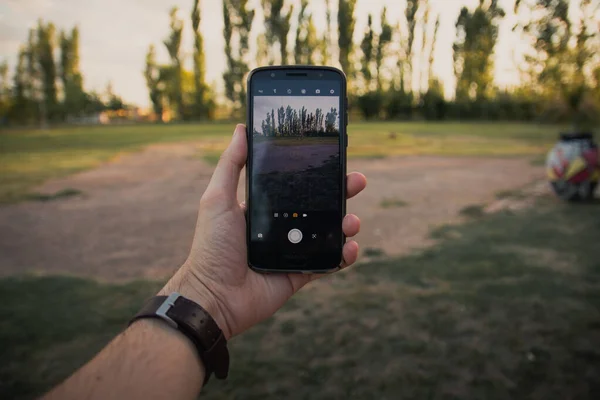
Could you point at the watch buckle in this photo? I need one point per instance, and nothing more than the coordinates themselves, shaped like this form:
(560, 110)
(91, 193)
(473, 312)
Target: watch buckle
(166, 306)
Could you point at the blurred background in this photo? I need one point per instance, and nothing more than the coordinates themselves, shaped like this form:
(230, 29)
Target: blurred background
(474, 281)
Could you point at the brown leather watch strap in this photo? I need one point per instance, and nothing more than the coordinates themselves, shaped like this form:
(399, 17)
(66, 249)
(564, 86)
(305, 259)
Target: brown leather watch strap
(195, 323)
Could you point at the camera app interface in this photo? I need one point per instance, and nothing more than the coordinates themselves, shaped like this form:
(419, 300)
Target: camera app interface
(296, 168)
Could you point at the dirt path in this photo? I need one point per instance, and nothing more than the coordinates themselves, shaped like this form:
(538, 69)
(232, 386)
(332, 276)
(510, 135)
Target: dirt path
(137, 215)
(435, 190)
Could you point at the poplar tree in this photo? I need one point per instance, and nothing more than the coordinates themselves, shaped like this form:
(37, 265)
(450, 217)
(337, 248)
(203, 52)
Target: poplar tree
(237, 18)
(173, 46)
(385, 37)
(46, 43)
(477, 34)
(346, 22)
(70, 73)
(277, 23)
(201, 106)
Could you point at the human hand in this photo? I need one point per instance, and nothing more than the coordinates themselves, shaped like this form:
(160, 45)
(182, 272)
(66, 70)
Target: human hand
(216, 274)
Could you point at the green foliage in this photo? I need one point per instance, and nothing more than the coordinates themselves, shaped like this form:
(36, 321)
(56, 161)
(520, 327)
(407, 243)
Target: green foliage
(346, 22)
(32, 78)
(306, 37)
(373, 47)
(46, 43)
(93, 103)
(70, 74)
(398, 104)
(263, 55)
(5, 95)
(406, 65)
(22, 109)
(35, 96)
(424, 22)
(203, 107)
(384, 39)
(561, 74)
(563, 59)
(173, 88)
(432, 50)
(301, 26)
(477, 34)
(510, 106)
(434, 106)
(596, 86)
(237, 19)
(326, 41)
(174, 81)
(368, 48)
(278, 24)
(152, 75)
(232, 66)
(114, 102)
(371, 104)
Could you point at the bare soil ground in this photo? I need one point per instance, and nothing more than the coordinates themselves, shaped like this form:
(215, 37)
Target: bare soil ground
(136, 215)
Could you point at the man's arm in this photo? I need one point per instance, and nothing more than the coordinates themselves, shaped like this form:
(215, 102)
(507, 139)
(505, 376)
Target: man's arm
(148, 360)
(151, 359)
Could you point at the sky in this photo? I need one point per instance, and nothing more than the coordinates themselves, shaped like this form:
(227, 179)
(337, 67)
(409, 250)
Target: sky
(264, 104)
(115, 35)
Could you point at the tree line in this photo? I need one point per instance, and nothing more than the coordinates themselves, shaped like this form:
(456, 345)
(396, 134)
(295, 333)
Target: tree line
(172, 88)
(390, 69)
(47, 85)
(298, 122)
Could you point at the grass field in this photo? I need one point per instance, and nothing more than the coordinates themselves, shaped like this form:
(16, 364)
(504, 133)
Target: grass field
(506, 306)
(28, 158)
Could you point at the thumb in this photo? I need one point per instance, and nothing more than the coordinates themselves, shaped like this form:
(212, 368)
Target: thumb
(225, 178)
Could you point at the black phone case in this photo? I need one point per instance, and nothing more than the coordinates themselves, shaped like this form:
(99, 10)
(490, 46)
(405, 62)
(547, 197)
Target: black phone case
(343, 151)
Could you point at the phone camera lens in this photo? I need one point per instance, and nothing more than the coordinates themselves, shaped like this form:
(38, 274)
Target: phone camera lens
(272, 74)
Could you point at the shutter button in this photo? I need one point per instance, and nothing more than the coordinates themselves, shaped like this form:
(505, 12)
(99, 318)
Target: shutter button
(295, 236)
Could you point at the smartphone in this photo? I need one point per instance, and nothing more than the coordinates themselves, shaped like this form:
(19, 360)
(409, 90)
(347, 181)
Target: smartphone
(296, 168)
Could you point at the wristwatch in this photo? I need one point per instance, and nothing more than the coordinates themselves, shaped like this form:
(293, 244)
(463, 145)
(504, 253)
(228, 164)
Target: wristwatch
(194, 322)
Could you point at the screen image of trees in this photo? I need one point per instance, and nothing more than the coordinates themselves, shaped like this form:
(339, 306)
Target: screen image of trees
(296, 153)
(290, 121)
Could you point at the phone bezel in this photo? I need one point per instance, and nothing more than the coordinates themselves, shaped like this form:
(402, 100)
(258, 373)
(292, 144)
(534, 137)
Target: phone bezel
(343, 146)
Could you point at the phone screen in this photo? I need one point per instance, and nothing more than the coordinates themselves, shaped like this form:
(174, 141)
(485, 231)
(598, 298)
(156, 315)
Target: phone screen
(297, 170)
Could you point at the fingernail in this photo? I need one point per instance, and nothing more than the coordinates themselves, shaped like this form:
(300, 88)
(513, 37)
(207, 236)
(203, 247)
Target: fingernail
(238, 129)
